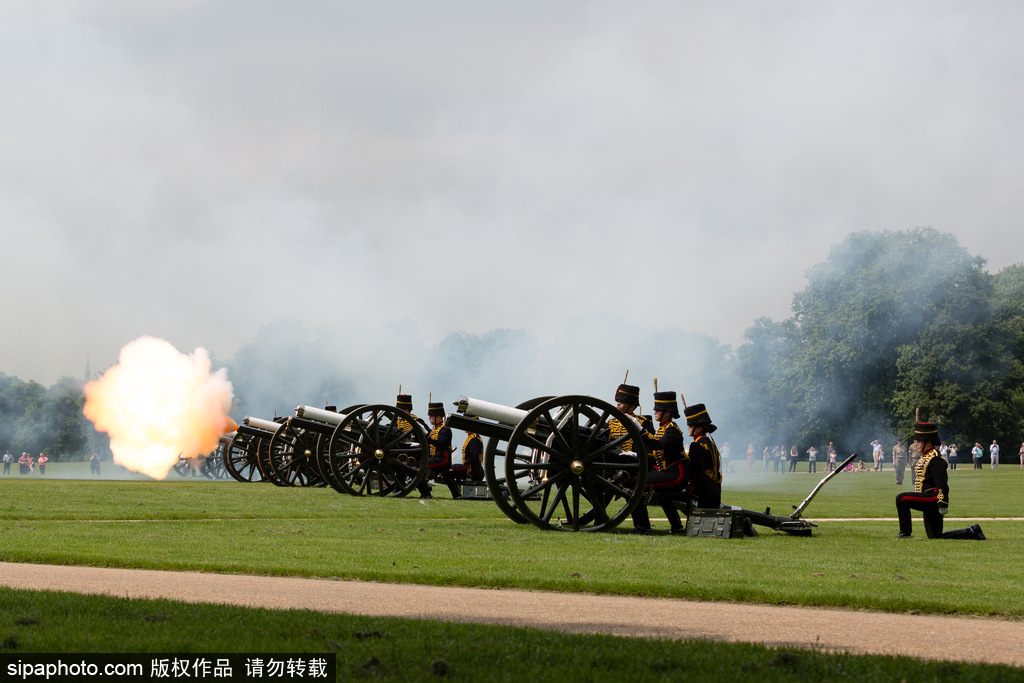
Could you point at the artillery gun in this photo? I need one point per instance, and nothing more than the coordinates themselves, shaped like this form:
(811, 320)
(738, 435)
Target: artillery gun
(561, 467)
(248, 444)
(365, 449)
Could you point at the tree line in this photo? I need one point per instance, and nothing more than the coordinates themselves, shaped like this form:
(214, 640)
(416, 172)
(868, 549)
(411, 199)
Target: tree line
(893, 325)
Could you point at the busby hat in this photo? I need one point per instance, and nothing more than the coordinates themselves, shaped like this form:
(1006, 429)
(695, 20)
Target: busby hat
(666, 400)
(627, 393)
(926, 431)
(404, 401)
(697, 416)
(435, 410)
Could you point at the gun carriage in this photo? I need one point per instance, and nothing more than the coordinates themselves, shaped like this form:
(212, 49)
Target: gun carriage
(554, 463)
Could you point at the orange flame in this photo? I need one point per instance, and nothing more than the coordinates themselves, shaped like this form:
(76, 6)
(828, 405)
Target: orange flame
(157, 404)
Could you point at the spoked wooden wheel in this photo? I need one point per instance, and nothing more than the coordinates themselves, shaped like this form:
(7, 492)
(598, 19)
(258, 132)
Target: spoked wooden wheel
(292, 455)
(563, 452)
(377, 450)
(240, 457)
(495, 476)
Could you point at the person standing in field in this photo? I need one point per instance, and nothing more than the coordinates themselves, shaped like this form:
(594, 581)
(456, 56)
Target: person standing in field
(951, 456)
(812, 460)
(899, 460)
(8, 459)
(976, 453)
(1022, 456)
(831, 457)
(993, 452)
(751, 453)
(794, 455)
(878, 454)
(765, 457)
(94, 464)
(931, 492)
(41, 461)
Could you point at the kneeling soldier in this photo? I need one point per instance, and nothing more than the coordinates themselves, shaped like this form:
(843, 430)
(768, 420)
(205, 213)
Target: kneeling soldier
(931, 490)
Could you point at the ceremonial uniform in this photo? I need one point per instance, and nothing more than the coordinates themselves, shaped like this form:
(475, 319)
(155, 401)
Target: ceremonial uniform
(439, 464)
(473, 456)
(705, 460)
(668, 480)
(931, 491)
(628, 395)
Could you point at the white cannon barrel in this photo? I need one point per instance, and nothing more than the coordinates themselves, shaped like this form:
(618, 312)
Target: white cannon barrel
(474, 407)
(320, 415)
(266, 425)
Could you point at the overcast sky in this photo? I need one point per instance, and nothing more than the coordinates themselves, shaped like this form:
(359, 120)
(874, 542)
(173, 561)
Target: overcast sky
(195, 170)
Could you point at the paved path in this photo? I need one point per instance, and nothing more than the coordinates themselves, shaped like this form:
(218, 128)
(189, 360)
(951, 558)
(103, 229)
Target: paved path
(927, 637)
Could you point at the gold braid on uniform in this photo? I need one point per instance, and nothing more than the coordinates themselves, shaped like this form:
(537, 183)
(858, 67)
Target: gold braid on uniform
(920, 468)
(465, 448)
(404, 424)
(432, 438)
(617, 430)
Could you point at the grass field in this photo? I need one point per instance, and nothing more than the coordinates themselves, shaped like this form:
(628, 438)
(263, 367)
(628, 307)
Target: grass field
(257, 528)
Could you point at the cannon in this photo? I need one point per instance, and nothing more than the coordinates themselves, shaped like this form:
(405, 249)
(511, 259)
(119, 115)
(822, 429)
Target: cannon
(245, 448)
(210, 466)
(366, 449)
(562, 468)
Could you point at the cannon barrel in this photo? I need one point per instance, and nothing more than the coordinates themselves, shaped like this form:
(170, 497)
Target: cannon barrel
(320, 415)
(255, 423)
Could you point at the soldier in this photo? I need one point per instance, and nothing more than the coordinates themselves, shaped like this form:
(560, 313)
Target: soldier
(473, 456)
(899, 460)
(440, 463)
(705, 461)
(404, 403)
(627, 399)
(931, 490)
(668, 480)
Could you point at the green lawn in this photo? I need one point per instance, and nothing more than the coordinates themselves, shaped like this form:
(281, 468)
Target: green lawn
(258, 528)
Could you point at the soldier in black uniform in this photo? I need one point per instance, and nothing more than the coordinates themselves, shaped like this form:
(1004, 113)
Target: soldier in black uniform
(627, 399)
(931, 490)
(472, 460)
(440, 463)
(404, 403)
(705, 461)
(668, 480)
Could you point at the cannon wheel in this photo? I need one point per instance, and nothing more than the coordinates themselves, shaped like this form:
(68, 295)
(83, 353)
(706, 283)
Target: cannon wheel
(240, 457)
(578, 470)
(291, 457)
(495, 481)
(323, 463)
(370, 454)
(213, 464)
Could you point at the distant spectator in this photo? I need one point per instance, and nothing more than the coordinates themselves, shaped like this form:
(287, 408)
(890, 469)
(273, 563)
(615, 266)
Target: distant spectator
(42, 463)
(993, 452)
(765, 457)
(94, 464)
(878, 454)
(951, 456)
(812, 460)
(794, 455)
(899, 460)
(977, 452)
(1022, 456)
(751, 453)
(8, 459)
(23, 463)
(31, 463)
(831, 457)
